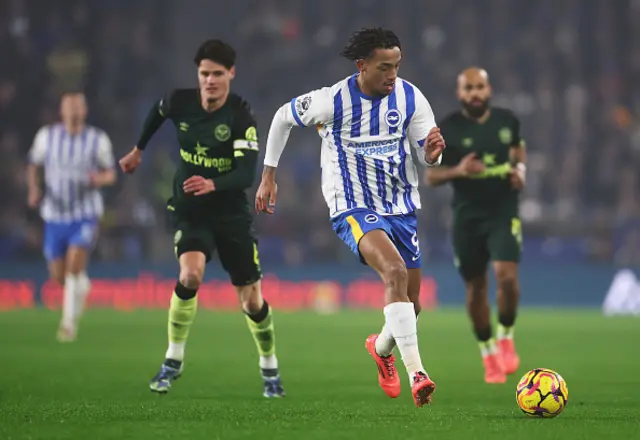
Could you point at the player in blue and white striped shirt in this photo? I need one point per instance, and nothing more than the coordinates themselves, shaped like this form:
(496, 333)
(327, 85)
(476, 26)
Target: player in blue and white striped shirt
(77, 161)
(369, 123)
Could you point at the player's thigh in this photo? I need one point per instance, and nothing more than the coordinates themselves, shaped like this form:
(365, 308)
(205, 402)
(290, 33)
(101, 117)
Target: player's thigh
(192, 236)
(505, 241)
(82, 240)
(470, 247)
(238, 252)
(354, 225)
(404, 233)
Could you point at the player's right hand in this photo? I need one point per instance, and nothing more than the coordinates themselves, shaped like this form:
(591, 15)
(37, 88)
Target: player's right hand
(266, 196)
(34, 197)
(131, 160)
(470, 165)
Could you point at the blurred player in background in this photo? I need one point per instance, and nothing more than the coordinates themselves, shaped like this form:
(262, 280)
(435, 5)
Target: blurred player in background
(218, 139)
(485, 163)
(77, 160)
(368, 123)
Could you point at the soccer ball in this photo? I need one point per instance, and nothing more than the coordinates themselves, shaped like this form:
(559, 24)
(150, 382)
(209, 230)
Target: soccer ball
(542, 393)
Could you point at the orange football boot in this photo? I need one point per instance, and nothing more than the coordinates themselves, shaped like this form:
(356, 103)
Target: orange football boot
(493, 369)
(510, 358)
(387, 373)
(422, 389)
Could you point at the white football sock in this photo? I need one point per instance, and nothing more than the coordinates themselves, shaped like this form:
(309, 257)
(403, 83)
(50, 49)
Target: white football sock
(69, 303)
(385, 342)
(175, 351)
(488, 347)
(269, 362)
(82, 288)
(505, 332)
(400, 317)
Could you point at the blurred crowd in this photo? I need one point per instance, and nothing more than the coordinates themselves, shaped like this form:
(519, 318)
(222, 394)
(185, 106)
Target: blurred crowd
(565, 67)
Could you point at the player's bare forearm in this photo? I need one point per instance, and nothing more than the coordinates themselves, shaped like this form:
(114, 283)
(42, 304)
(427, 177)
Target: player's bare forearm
(104, 178)
(269, 172)
(441, 175)
(33, 176)
(517, 154)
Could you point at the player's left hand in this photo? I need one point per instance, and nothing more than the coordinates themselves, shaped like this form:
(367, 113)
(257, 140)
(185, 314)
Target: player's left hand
(434, 145)
(198, 185)
(517, 177)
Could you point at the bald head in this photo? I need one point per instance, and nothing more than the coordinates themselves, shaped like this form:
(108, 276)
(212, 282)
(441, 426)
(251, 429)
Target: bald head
(473, 74)
(474, 91)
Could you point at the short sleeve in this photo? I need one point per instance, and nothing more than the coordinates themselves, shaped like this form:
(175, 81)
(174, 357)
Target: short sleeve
(105, 151)
(38, 151)
(422, 121)
(517, 140)
(245, 129)
(313, 108)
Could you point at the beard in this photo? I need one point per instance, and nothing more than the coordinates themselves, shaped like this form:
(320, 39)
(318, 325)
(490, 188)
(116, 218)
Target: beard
(476, 111)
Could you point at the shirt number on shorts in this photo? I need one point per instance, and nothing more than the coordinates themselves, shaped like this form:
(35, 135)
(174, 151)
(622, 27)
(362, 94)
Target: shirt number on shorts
(416, 244)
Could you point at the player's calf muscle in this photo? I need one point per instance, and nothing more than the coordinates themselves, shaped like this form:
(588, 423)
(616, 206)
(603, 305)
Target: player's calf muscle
(507, 278)
(413, 288)
(250, 297)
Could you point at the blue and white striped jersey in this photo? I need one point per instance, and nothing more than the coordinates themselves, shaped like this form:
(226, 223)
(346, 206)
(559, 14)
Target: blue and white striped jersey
(366, 144)
(68, 160)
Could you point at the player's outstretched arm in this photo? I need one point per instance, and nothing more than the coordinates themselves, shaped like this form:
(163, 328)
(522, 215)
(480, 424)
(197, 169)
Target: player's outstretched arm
(312, 109)
(469, 165)
(154, 120)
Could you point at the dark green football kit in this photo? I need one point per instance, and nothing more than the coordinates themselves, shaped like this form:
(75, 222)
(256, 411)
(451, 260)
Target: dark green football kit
(486, 223)
(222, 146)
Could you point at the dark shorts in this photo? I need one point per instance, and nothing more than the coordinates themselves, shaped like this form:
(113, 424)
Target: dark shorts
(476, 241)
(233, 238)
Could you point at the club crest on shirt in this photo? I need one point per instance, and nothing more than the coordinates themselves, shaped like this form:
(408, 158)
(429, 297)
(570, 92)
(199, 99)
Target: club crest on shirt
(505, 135)
(393, 117)
(303, 104)
(222, 132)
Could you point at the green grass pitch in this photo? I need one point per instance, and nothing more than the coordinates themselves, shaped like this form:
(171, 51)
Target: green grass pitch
(97, 388)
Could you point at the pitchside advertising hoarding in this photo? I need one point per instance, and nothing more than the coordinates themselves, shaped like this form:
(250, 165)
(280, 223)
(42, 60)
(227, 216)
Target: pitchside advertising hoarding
(149, 291)
(128, 286)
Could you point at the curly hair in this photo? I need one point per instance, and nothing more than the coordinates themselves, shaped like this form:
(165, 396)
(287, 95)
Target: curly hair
(364, 42)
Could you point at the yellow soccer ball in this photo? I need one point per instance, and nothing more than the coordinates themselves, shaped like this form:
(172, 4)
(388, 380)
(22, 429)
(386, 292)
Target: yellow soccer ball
(542, 393)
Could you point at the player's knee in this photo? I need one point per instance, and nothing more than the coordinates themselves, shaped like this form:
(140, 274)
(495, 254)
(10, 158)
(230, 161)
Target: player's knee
(250, 298)
(191, 277)
(476, 289)
(395, 274)
(508, 285)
